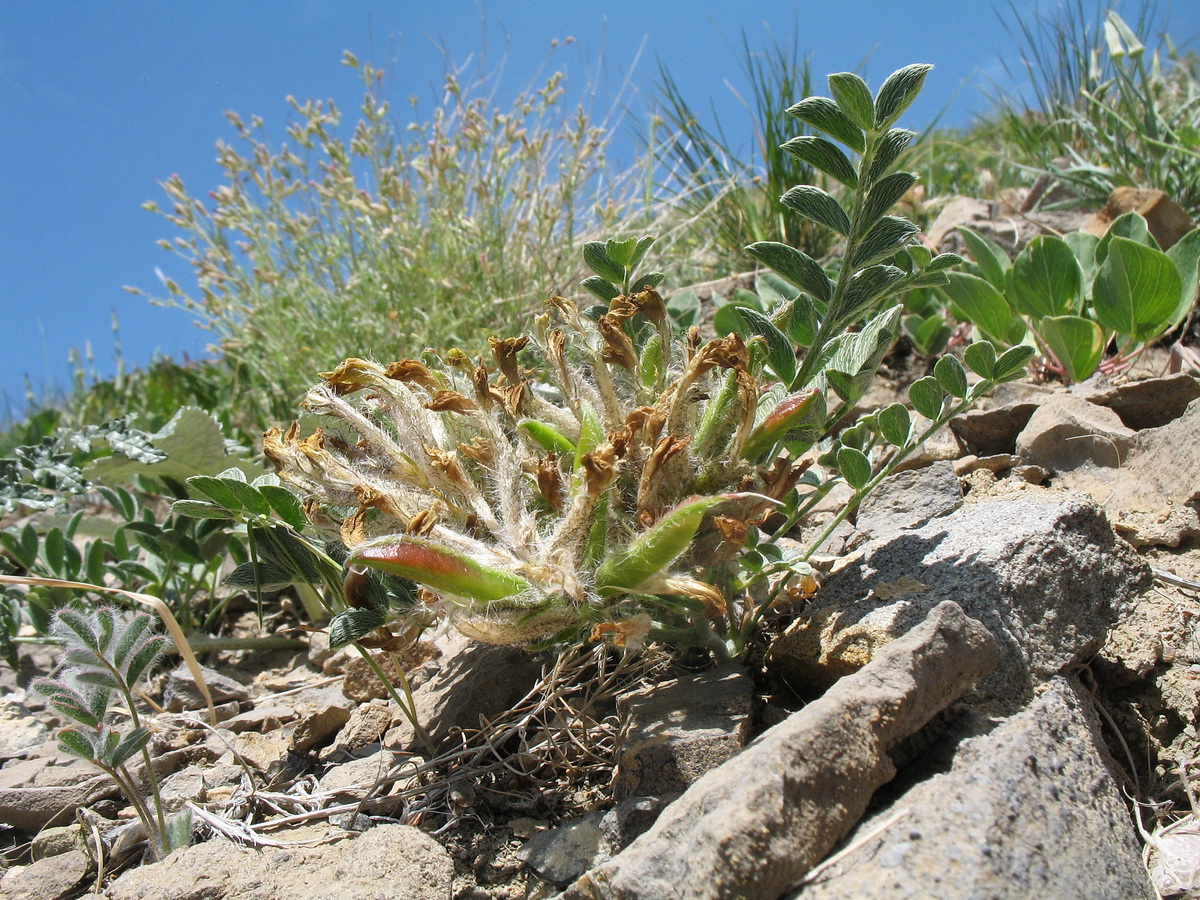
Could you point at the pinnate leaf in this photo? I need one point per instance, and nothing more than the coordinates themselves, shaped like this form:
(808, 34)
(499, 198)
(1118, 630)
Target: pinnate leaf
(825, 115)
(814, 203)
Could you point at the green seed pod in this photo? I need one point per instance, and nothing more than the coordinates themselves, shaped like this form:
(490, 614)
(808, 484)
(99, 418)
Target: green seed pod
(547, 437)
(656, 549)
(438, 567)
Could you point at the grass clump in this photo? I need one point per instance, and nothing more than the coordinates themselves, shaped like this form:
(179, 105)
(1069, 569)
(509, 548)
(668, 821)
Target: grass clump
(387, 237)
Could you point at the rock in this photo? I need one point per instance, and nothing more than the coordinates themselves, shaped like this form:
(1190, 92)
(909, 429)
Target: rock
(674, 732)
(1029, 810)
(319, 651)
(1047, 578)
(20, 730)
(1012, 232)
(37, 792)
(466, 687)
(1151, 403)
(753, 826)
(987, 432)
(995, 464)
(909, 500)
(261, 718)
(366, 725)
(59, 840)
(48, 879)
(1067, 432)
(181, 691)
(196, 781)
(315, 729)
(387, 861)
(631, 818)
(959, 211)
(1153, 495)
(1166, 219)
(354, 780)
(560, 855)
(258, 750)
(360, 682)
(1174, 858)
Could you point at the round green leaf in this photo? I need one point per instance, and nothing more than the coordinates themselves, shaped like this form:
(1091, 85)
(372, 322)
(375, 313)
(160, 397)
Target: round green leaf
(980, 358)
(925, 395)
(1077, 343)
(1136, 290)
(1045, 279)
(854, 466)
(951, 376)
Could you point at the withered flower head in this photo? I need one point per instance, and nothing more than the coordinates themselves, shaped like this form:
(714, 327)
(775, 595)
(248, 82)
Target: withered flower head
(550, 481)
(450, 401)
(352, 375)
(412, 371)
(599, 469)
(618, 347)
(505, 351)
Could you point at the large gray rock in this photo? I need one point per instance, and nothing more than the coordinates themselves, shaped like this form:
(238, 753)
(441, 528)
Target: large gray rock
(750, 828)
(674, 732)
(1048, 578)
(909, 500)
(388, 861)
(1029, 810)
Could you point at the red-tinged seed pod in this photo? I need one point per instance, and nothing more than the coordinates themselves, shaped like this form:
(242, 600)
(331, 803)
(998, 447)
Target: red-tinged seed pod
(800, 417)
(439, 567)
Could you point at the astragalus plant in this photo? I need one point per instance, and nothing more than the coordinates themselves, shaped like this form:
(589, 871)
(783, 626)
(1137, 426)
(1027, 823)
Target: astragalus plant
(606, 478)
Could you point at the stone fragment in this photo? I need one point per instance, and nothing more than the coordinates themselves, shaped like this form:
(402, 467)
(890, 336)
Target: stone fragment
(1166, 219)
(959, 211)
(995, 464)
(355, 779)
(1174, 858)
(53, 878)
(910, 499)
(366, 725)
(386, 861)
(58, 840)
(315, 729)
(258, 750)
(360, 682)
(1029, 810)
(1067, 432)
(753, 826)
(560, 855)
(1152, 497)
(261, 718)
(1151, 403)
(673, 732)
(629, 819)
(42, 791)
(466, 687)
(1047, 578)
(196, 781)
(20, 730)
(987, 432)
(181, 691)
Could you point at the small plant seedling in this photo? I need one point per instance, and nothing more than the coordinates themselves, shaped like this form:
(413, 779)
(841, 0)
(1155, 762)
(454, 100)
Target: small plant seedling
(106, 652)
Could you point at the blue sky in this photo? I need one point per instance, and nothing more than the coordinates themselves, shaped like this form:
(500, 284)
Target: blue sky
(101, 101)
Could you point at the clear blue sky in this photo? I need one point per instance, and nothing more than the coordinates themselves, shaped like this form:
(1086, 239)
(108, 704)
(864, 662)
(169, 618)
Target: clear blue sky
(101, 101)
